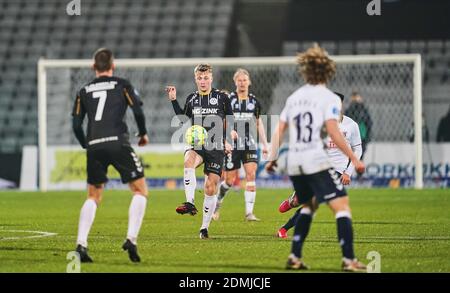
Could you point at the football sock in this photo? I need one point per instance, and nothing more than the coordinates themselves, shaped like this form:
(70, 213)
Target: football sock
(209, 204)
(224, 187)
(249, 201)
(301, 231)
(345, 233)
(190, 183)
(135, 216)
(87, 216)
(291, 222)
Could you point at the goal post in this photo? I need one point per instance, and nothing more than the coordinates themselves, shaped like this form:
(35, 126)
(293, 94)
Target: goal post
(361, 70)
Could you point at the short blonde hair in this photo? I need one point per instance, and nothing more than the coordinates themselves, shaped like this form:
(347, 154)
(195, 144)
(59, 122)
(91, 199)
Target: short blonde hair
(203, 67)
(242, 71)
(315, 65)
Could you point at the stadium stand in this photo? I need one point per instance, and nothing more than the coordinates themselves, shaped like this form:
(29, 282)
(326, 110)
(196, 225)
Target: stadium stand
(132, 28)
(149, 29)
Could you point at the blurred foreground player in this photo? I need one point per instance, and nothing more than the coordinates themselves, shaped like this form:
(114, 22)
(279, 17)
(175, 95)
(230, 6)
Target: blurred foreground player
(309, 111)
(343, 166)
(105, 101)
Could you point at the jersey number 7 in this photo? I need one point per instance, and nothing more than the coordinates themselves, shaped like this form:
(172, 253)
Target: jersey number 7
(101, 95)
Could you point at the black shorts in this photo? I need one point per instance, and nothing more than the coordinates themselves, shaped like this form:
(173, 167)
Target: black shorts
(212, 160)
(233, 161)
(122, 157)
(325, 186)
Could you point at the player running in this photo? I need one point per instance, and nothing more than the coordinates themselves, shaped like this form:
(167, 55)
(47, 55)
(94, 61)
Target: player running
(344, 168)
(105, 101)
(247, 110)
(309, 111)
(204, 106)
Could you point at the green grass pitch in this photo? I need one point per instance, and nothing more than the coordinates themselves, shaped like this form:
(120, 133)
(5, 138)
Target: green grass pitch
(410, 229)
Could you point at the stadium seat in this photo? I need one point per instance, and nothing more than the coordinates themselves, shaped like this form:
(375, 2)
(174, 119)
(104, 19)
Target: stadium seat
(382, 47)
(417, 46)
(400, 47)
(345, 48)
(435, 46)
(364, 47)
(330, 46)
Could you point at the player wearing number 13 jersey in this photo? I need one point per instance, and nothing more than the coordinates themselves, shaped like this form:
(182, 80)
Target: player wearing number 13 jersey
(310, 113)
(105, 100)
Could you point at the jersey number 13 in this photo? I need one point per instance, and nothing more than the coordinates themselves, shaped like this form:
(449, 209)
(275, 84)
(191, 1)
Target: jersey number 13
(303, 123)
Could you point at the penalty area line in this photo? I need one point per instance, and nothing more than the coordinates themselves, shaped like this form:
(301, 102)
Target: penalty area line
(40, 234)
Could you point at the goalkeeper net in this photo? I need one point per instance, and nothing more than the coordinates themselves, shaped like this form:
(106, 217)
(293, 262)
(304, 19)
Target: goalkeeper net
(390, 86)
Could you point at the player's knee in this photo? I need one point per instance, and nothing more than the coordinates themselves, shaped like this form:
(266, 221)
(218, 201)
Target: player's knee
(95, 192)
(189, 164)
(139, 186)
(230, 179)
(250, 176)
(95, 197)
(210, 188)
(250, 185)
(211, 185)
(339, 204)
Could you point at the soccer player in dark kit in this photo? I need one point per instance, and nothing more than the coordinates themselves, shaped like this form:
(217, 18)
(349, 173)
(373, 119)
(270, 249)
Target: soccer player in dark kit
(207, 107)
(105, 100)
(249, 124)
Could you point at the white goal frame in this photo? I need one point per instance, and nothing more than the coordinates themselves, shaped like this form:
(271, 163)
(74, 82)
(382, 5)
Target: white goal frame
(44, 64)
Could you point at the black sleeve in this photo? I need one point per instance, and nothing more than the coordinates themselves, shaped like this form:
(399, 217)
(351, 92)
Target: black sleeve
(177, 108)
(258, 110)
(135, 103)
(229, 118)
(78, 114)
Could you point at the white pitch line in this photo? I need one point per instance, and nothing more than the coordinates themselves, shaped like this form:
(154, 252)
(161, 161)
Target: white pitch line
(41, 234)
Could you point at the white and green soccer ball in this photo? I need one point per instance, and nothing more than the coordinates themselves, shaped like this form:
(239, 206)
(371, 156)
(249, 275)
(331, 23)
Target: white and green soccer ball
(196, 135)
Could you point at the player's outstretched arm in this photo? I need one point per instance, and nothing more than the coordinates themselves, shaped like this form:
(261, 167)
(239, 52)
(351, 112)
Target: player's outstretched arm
(333, 130)
(172, 96)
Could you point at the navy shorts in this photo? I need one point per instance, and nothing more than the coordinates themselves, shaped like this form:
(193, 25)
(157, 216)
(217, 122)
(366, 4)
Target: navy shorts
(325, 186)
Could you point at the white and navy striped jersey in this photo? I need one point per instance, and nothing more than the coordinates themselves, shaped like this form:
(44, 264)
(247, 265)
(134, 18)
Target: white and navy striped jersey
(339, 160)
(306, 111)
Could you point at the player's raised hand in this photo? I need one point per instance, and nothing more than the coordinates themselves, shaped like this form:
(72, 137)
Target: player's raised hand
(172, 92)
(143, 140)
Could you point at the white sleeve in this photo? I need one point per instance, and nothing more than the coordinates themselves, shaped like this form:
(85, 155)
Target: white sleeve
(284, 114)
(355, 143)
(333, 109)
